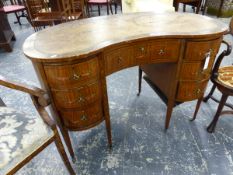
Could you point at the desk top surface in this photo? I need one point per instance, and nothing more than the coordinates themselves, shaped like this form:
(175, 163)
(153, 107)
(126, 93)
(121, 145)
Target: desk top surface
(88, 36)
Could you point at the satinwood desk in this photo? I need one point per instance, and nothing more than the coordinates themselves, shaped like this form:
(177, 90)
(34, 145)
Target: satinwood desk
(73, 59)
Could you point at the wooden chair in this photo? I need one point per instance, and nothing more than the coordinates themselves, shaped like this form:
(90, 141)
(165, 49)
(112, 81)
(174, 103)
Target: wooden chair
(116, 3)
(99, 3)
(16, 7)
(219, 8)
(41, 14)
(193, 3)
(23, 136)
(222, 80)
(72, 9)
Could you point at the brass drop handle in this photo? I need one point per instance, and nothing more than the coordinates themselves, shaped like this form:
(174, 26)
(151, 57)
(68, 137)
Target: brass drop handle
(83, 118)
(161, 52)
(142, 49)
(119, 60)
(76, 76)
(198, 91)
(81, 99)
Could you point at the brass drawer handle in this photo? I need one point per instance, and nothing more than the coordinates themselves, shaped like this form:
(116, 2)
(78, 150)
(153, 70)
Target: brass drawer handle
(142, 49)
(81, 99)
(119, 60)
(198, 91)
(161, 52)
(76, 76)
(83, 118)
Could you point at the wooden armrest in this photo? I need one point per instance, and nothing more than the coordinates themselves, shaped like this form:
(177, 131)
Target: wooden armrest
(224, 53)
(46, 118)
(32, 90)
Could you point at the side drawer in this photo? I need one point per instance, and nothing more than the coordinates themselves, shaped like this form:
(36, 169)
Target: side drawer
(140, 53)
(193, 71)
(77, 97)
(118, 59)
(191, 90)
(71, 75)
(83, 119)
(199, 50)
(164, 50)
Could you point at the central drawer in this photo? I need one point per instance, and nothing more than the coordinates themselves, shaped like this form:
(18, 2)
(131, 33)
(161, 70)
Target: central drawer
(164, 50)
(83, 119)
(77, 97)
(118, 59)
(72, 75)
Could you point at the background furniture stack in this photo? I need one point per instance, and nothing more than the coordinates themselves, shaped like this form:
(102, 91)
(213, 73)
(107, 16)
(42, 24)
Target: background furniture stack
(6, 33)
(47, 13)
(17, 7)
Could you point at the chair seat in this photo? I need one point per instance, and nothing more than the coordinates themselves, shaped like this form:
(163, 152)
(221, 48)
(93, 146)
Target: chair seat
(20, 136)
(13, 8)
(225, 75)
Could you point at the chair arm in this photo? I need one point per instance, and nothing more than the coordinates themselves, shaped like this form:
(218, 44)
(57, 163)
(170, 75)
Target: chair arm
(43, 113)
(224, 53)
(32, 90)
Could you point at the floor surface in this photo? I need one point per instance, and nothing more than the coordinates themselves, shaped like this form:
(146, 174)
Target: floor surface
(140, 144)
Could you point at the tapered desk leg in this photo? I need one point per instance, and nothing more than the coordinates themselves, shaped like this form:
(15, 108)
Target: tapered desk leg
(106, 114)
(197, 108)
(65, 134)
(139, 80)
(170, 106)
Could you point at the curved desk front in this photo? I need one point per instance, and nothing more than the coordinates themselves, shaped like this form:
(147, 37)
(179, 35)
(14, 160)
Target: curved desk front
(73, 59)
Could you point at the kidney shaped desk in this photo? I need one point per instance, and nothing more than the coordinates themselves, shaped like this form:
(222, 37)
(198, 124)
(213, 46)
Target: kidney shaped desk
(73, 59)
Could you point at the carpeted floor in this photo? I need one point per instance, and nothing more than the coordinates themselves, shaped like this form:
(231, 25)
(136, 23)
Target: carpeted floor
(140, 144)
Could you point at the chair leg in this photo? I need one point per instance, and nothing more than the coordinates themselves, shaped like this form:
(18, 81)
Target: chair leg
(197, 108)
(108, 8)
(88, 9)
(220, 8)
(18, 18)
(111, 8)
(204, 7)
(212, 125)
(99, 9)
(176, 7)
(115, 5)
(205, 99)
(184, 8)
(139, 80)
(63, 155)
